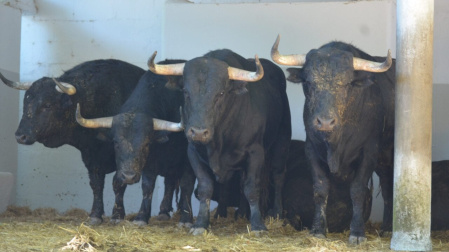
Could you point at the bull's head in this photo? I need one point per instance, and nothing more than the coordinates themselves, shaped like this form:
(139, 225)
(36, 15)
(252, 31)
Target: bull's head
(331, 78)
(209, 85)
(131, 140)
(45, 112)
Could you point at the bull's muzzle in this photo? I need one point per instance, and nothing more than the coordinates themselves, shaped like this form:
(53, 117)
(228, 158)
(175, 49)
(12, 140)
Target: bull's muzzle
(24, 139)
(129, 178)
(199, 135)
(325, 124)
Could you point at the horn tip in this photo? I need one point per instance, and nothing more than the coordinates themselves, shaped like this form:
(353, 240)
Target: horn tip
(150, 62)
(78, 109)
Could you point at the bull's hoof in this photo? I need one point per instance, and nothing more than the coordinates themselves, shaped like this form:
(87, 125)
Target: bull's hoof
(385, 233)
(115, 221)
(356, 240)
(318, 233)
(275, 214)
(197, 231)
(258, 233)
(140, 223)
(185, 225)
(319, 236)
(258, 227)
(162, 217)
(94, 221)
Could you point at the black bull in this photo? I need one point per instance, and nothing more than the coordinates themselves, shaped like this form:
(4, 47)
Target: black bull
(147, 144)
(49, 118)
(234, 121)
(349, 122)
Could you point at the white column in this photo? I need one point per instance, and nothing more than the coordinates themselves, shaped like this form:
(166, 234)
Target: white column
(413, 132)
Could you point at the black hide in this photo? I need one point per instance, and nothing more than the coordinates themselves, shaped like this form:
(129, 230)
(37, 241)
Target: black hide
(49, 118)
(247, 123)
(143, 151)
(357, 110)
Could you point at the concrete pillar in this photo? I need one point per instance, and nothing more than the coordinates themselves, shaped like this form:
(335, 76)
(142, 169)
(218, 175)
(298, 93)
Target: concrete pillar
(413, 132)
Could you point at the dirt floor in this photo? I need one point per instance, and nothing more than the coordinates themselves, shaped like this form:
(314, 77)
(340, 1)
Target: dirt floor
(47, 230)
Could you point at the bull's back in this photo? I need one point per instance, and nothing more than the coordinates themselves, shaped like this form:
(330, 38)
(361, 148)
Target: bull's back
(103, 85)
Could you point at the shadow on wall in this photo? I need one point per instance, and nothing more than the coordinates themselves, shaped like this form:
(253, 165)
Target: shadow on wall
(6, 185)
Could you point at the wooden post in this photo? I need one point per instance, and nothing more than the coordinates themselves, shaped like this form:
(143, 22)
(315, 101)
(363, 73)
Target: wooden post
(413, 132)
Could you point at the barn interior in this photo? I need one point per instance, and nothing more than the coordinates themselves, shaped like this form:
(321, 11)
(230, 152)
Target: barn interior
(46, 37)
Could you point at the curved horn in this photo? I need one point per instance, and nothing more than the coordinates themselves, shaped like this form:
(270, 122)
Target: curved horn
(169, 69)
(159, 124)
(64, 88)
(168, 126)
(287, 60)
(16, 84)
(104, 122)
(372, 66)
(243, 75)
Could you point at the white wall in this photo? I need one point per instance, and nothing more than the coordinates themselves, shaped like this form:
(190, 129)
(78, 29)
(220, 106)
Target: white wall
(9, 103)
(64, 33)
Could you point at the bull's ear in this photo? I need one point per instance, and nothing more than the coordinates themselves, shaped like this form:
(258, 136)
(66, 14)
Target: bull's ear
(161, 136)
(295, 75)
(363, 80)
(239, 87)
(104, 136)
(66, 101)
(174, 82)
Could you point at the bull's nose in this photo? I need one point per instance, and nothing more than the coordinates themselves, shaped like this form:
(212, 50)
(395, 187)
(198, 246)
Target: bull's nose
(199, 135)
(23, 139)
(325, 124)
(130, 177)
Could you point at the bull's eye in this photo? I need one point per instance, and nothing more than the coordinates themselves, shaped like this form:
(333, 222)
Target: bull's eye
(47, 105)
(185, 93)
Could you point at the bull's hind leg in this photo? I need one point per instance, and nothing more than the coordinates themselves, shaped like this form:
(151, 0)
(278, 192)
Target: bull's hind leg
(118, 212)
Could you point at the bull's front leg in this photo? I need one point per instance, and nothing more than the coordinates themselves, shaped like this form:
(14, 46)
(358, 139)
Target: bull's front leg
(96, 181)
(170, 183)
(118, 212)
(278, 162)
(358, 190)
(385, 172)
(251, 187)
(386, 185)
(148, 182)
(320, 195)
(187, 184)
(205, 190)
